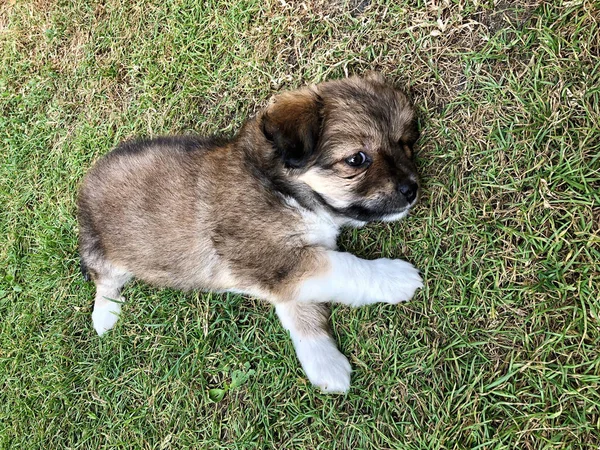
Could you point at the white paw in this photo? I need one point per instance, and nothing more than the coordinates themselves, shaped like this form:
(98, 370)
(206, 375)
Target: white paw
(395, 281)
(105, 314)
(325, 366)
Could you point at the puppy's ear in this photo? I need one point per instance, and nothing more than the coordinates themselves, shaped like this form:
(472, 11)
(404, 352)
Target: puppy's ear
(292, 122)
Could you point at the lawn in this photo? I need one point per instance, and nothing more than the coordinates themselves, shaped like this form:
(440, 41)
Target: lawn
(501, 349)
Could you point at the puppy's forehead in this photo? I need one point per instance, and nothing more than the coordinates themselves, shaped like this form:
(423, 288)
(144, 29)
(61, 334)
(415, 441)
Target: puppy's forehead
(371, 110)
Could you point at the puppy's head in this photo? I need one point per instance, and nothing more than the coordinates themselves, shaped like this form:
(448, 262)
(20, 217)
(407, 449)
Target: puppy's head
(351, 142)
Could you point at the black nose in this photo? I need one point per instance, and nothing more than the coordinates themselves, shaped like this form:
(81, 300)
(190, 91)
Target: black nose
(409, 190)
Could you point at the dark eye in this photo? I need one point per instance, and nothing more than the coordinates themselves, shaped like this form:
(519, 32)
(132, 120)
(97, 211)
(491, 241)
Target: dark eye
(356, 160)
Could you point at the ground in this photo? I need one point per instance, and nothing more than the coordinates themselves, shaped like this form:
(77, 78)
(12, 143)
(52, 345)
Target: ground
(499, 350)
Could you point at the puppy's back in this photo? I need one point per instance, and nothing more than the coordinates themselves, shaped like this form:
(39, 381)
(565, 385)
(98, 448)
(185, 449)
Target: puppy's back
(141, 208)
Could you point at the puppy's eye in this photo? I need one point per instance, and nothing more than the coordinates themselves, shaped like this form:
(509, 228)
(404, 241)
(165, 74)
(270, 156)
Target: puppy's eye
(356, 160)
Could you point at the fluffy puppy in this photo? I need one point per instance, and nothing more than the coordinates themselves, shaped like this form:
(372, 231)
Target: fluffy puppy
(259, 214)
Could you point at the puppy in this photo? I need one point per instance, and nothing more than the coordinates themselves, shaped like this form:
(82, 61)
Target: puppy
(259, 214)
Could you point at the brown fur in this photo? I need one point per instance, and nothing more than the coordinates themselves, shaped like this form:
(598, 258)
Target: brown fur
(222, 215)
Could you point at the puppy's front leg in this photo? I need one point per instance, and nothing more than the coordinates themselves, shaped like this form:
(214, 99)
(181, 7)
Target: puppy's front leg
(353, 281)
(325, 366)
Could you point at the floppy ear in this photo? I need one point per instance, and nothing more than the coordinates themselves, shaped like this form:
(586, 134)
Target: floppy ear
(292, 122)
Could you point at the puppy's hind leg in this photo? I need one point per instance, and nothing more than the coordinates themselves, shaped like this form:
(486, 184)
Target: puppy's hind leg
(325, 366)
(107, 304)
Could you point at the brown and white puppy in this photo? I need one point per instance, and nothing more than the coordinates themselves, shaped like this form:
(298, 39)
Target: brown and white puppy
(259, 214)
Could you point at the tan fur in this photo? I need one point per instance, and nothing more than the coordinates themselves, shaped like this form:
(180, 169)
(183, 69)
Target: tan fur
(256, 213)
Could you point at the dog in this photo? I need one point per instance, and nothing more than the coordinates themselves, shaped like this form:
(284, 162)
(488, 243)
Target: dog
(258, 214)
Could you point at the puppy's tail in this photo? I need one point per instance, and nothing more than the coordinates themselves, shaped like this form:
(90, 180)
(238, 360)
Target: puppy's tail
(84, 270)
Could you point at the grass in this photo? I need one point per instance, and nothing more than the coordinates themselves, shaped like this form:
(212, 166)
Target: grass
(499, 350)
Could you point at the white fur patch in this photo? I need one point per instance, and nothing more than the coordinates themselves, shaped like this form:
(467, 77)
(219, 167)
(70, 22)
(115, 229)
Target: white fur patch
(107, 303)
(106, 313)
(353, 223)
(320, 226)
(394, 217)
(356, 282)
(325, 366)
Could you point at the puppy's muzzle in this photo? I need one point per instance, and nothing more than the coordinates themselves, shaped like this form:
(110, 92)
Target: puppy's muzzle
(409, 190)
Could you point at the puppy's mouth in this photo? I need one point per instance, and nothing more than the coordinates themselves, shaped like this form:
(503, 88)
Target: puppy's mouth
(367, 213)
(396, 215)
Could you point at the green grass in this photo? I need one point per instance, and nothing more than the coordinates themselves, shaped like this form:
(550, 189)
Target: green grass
(501, 349)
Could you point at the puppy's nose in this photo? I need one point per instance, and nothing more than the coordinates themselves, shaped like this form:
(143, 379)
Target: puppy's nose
(409, 190)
